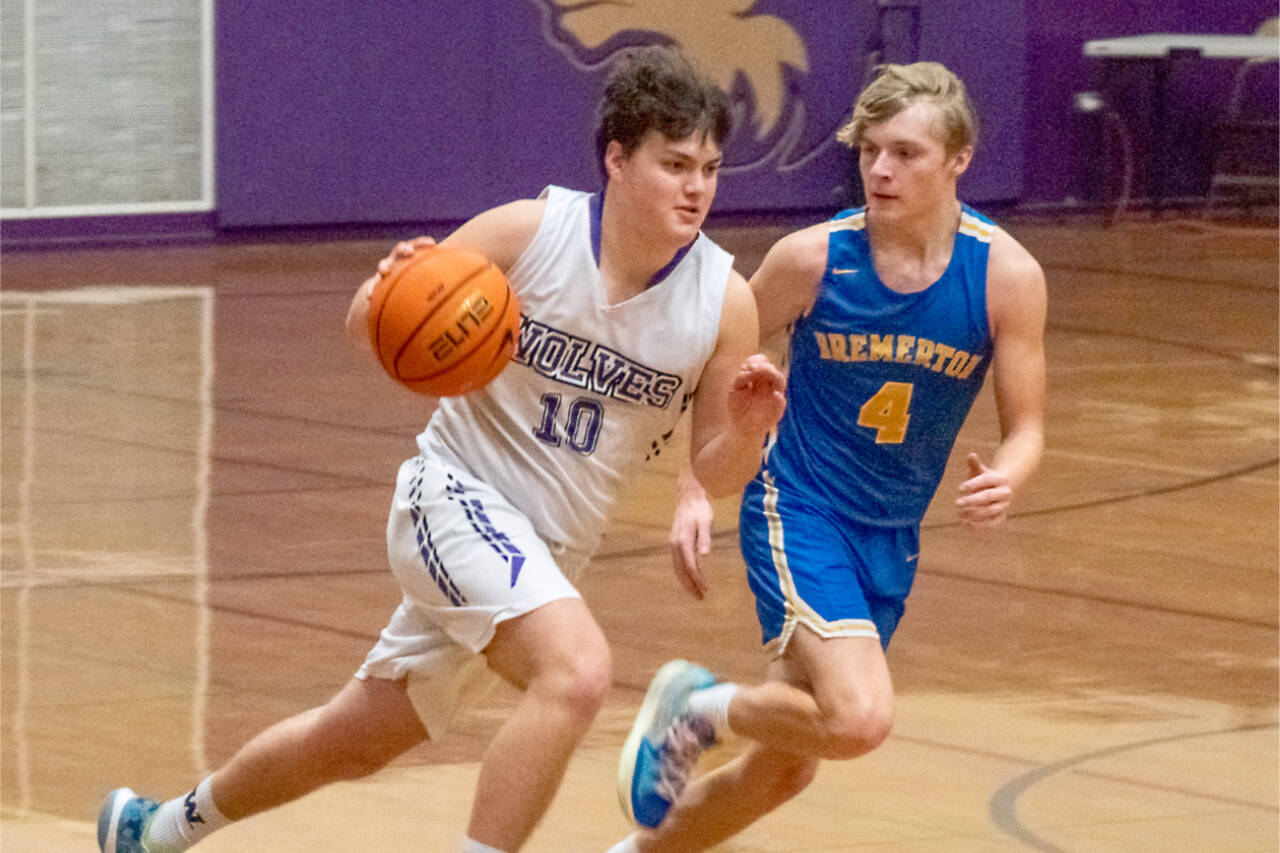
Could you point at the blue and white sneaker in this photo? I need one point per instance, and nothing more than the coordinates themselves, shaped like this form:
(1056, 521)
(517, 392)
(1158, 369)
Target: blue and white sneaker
(664, 743)
(123, 819)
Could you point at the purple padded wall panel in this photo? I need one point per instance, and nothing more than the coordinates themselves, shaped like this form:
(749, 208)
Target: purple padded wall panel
(357, 113)
(402, 111)
(985, 44)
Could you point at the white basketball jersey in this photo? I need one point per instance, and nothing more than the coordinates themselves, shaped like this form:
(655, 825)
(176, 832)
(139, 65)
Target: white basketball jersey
(594, 389)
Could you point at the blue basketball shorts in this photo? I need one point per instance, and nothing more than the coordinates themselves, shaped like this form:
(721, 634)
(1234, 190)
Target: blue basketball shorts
(838, 577)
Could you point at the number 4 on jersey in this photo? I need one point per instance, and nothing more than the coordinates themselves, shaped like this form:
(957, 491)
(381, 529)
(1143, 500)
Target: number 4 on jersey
(887, 412)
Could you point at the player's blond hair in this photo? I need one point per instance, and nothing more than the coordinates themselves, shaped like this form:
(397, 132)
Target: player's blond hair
(897, 87)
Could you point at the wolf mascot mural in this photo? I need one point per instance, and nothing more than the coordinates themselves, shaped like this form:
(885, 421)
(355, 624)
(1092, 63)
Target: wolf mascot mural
(786, 111)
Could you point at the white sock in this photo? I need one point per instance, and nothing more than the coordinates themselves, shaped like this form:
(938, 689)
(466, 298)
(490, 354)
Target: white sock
(713, 703)
(183, 821)
(470, 845)
(626, 845)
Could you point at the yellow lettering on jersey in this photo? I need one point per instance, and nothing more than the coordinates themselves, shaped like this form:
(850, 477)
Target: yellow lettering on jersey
(888, 412)
(824, 351)
(968, 368)
(902, 349)
(924, 352)
(881, 347)
(944, 354)
(957, 363)
(905, 342)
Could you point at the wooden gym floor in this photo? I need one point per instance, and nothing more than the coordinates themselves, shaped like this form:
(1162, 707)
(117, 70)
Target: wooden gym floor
(196, 472)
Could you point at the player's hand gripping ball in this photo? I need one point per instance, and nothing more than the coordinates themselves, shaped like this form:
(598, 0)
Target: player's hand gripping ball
(443, 321)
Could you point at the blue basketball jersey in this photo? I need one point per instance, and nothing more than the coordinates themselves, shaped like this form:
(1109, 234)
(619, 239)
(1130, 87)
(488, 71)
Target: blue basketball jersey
(880, 382)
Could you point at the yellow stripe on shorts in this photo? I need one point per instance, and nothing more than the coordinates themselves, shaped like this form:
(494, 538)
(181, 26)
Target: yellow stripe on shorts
(798, 611)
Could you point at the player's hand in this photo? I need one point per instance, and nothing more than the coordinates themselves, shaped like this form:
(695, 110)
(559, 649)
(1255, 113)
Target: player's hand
(758, 396)
(402, 250)
(691, 539)
(984, 497)
(357, 314)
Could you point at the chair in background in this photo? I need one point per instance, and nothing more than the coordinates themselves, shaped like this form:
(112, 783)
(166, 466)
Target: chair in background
(1246, 169)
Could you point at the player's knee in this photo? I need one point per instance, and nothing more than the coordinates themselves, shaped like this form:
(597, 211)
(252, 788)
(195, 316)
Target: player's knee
(582, 682)
(858, 728)
(591, 683)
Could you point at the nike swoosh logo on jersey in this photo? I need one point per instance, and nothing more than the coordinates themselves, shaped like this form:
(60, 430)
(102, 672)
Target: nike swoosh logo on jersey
(843, 271)
(912, 558)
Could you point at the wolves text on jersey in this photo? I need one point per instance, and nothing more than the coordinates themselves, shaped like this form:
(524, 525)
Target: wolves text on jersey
(585, 364)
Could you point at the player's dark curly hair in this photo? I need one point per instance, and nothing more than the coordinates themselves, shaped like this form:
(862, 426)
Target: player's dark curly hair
(657, 88)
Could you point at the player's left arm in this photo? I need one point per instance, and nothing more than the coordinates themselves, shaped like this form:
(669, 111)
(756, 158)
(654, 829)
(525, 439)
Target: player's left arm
(740, 398)
(1016, 307)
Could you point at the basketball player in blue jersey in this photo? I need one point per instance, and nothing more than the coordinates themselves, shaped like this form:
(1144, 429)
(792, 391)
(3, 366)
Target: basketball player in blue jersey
(896, 311)
(629, 315)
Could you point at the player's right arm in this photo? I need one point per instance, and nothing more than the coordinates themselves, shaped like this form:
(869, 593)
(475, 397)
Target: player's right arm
(501, 234)
(786, 285)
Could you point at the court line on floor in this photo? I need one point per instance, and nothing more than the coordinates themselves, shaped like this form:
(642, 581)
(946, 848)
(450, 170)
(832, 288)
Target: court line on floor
(1255, 359)
(1145, 493)
(1209, 479)
(1003, 805)
(1247, 359)
(722, 535)
(1230, 284)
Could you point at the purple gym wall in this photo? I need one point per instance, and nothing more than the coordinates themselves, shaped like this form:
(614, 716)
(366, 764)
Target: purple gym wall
(404, 111)
(1063, 150)
(398, 112)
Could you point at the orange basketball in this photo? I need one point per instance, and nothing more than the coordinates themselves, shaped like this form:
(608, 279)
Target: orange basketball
(444, 321)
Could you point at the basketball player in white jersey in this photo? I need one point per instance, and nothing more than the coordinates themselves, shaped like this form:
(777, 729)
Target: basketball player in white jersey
(629, 315)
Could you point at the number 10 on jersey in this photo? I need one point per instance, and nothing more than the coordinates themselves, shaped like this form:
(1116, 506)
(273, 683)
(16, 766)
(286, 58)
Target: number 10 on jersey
(581, 428)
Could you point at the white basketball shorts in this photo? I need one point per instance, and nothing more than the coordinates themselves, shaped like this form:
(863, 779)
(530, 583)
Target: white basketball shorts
(466, 559)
